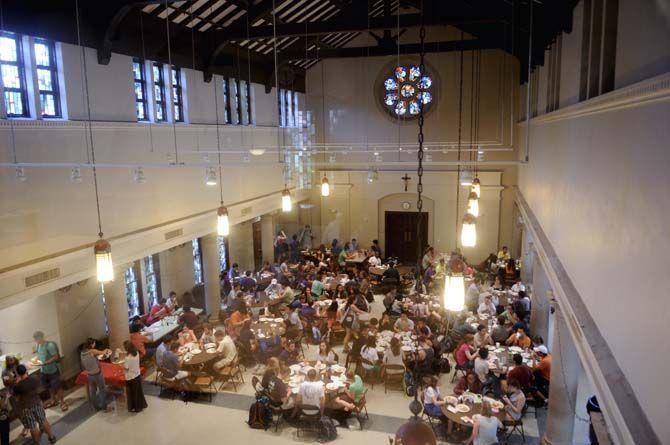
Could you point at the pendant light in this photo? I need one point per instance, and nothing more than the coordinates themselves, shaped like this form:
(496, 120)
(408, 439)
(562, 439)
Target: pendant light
(102, 249)
(210, 176)
(325, 187)
(469, 231)
(286, 203)
(454, 292)
(473, 204)
(222, 222)
(477, 187)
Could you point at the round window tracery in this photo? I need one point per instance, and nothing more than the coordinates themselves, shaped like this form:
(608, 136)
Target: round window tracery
(405, 89)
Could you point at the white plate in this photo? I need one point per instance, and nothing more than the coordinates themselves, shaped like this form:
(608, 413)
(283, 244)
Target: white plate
(332, 386)
(406, 348)
(462, 408)
(211, 351)
(210, 345)
(196, 351)
(451, 400)
(279, 320)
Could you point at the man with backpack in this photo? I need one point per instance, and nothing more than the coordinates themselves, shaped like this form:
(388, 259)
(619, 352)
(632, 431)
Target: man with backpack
(49, 357)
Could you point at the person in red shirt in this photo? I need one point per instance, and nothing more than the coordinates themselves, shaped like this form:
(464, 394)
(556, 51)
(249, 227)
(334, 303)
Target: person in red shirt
(189, 318)
(521, 372)
(158, 311)
(465, 352)
(139, 340)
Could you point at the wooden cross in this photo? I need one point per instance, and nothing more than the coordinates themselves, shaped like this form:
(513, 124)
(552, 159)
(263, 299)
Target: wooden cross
(406, 179)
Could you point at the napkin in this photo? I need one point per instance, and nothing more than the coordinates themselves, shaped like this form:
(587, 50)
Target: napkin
(452, 409)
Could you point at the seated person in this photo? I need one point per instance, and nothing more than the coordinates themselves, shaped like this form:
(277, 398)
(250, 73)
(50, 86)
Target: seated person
(391, 274)
(433, 401)
(294, 322)
(225, 348)
(500, 332)
(276, 390)
(517, 287)
(139, 340)
(514, 401)
(326, 354)
(482, 337)
(509, 314)
(170, 364)
(542, 370)
(503, 254)
(521, 372)
(307, 310)
(487, 307)
(312, 391)
(465, 352)
(481, 367)
(186, 336)
(136, 321)
(352, 395)
(422, 329)
(421, 310)
(519, 338)
(247, 283)
(289, 354)
(236, 321)
(469, 382)
(373, 261)
(370, 355)
(403, 324)
(207, 335)
(386, 324)
(158, 312)
(485, 427)
(189, 318)
(394, 355)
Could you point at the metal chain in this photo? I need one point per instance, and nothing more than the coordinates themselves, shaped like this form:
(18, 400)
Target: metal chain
(419, 171)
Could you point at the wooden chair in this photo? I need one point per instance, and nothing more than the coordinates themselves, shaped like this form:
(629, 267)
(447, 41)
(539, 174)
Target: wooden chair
(463, 370)
(230, 374)
(202, 385)
(362, 407)
(368, 375)
(165, 382)
(393, 375)
(309, 419)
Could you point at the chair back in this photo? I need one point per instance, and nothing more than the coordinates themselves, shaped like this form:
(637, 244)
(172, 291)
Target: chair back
(256, 384)
(394, 369)
(309, 410)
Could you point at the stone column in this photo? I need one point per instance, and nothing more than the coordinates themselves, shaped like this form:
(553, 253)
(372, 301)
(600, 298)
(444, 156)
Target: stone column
(211, 270)
(541, 297)
(565, 371)
(116, 306)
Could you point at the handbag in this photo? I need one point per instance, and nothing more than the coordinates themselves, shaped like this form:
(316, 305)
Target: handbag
(348, 319)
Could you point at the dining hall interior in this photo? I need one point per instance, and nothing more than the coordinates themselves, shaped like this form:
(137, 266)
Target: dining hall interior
(347, 221)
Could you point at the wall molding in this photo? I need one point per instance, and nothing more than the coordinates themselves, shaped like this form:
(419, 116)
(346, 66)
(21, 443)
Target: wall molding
(642, 93)
(21, 124)
(627, 422)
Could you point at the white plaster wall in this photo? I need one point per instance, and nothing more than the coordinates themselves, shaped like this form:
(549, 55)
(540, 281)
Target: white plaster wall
(598, 186)
(571, 50)
(241, 247)
(176, 269)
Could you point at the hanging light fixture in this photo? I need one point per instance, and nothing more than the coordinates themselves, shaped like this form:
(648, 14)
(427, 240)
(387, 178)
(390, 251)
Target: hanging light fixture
(75, 175)
(454, 292)
(477, 187)
(21, 174)
(286, 203)
(103, 260)
(469, 231)
(257, 151)
(325, 187)
(222, 222)
(138, 175)
(210, 176)
(473, 204)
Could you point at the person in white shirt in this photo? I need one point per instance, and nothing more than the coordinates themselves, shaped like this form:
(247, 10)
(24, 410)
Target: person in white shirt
(226, 347)
(374, 261)
(403, 324)
(482, 337)
(273, 288)
(294, 320)
(421, 310)
(131, 366)
(487, 307)
(370, 354)
(517, 287)
(311, 391)
(472, 297)
(482, 364)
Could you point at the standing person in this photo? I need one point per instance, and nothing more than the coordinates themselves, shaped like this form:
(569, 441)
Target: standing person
(4, 417)
(306, 237)
(49, 357)
(29, 407)
(485, 428)
(97, 390)
(294, 249)
(131, 366)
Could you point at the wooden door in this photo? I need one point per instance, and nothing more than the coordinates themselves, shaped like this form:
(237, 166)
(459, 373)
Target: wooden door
(258, 245)
(401, 235)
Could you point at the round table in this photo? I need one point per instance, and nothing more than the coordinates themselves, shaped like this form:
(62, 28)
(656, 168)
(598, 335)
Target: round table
(475, 408)
(201, 359)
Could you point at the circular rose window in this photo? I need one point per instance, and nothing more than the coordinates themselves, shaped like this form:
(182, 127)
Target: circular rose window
(404, 89)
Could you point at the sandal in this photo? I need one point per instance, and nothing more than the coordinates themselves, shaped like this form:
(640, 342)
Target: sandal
(64, 407)
(50, 404)
(52, 439)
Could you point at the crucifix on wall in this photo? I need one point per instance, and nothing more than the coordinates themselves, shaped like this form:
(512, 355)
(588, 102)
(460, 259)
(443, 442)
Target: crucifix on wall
(406, 179)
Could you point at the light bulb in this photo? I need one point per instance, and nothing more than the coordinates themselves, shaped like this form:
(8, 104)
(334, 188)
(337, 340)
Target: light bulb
(286, 204)
(210, 176)
(325, 187)
(222, 222)
(332, 159)
(21, 174)
(75, 175)
(454, 293)
(466, 178)
(473, 204)
(477, 188)
(103, 261)
(257, 151)
(469, 231)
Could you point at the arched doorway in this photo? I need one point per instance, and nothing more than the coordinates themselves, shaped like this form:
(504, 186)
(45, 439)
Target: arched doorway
(398, 221)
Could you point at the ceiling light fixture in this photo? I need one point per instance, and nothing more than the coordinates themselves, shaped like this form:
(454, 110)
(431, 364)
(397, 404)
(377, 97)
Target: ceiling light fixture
(257, 151)
(477, 187)
(325, 187)
(222, 221)
(21, 174)
(469, 231)
(138, 175)
(210, 176)
(286, 203)
(454, 292)
(473, 204)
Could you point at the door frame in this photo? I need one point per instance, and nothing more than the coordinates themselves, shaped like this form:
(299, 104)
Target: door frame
(388, 213)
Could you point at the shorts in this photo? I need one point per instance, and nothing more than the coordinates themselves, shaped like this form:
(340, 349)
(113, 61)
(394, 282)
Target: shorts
(51, 381)
(33, 416)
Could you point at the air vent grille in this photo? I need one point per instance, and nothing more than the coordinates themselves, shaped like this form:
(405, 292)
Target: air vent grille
(173, 234)
(246, 211)
(42, 277)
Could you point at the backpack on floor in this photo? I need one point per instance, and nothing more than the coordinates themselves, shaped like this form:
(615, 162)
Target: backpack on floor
(327, 430)
(260, 416)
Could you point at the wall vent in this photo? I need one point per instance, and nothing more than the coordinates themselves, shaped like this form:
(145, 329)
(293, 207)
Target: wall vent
(246, 211)
(173, 234)
(42, 277)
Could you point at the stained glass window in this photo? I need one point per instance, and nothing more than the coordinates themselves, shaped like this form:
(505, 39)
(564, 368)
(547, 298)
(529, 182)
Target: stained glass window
(406, 90)
(223, 253)
(197, 261)
(132, 294)
(13, 75)
(151, 279)
(140, 90)
(47, 78)
(177, 95)
(159, 92)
